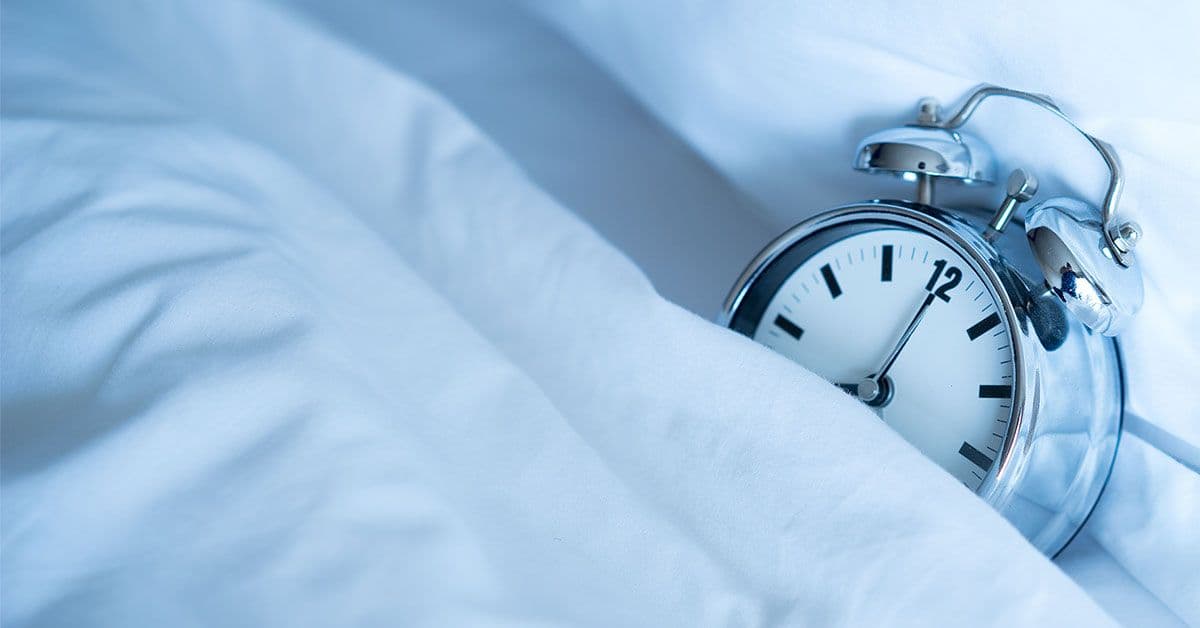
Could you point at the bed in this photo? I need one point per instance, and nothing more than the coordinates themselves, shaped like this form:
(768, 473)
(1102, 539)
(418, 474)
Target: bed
(377, 314)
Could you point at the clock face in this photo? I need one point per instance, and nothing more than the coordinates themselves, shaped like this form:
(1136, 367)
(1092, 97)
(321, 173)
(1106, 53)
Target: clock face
(904, 323)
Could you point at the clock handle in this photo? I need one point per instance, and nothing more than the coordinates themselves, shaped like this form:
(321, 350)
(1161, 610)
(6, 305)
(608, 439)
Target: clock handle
(1121, 238)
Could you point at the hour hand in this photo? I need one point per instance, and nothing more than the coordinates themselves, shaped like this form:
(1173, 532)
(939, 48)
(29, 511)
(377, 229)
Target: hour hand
(851, 389)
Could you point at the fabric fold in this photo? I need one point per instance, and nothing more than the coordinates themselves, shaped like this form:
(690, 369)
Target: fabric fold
(409, 387)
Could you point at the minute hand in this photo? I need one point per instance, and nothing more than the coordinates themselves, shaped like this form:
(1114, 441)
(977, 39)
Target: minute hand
(908, 332)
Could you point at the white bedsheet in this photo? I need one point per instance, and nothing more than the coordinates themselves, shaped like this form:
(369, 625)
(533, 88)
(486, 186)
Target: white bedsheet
(286, 340)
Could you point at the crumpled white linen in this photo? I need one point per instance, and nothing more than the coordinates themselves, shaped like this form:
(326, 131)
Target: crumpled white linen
(776, 95)
(286, 341)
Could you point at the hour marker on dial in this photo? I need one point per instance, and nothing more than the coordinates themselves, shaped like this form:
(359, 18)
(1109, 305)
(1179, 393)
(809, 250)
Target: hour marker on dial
(788, 327)
(983, 326)
(979, 458)
(992, 391)
(831, 282)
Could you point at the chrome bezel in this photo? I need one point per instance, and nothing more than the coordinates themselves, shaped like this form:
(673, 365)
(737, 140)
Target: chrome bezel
(960, 237)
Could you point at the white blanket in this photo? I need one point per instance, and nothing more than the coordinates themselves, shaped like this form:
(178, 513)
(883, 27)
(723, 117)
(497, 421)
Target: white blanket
(285, 340)
(777, 94)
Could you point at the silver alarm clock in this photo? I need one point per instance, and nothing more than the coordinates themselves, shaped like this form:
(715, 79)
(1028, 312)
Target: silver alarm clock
(990, 352)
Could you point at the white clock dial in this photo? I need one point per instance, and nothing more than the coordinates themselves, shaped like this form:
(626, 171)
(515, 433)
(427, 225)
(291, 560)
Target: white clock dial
(949, 389)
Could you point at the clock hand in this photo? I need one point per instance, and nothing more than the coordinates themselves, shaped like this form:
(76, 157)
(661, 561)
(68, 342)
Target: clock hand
(908, 332)
(850, 388)
(874, 390)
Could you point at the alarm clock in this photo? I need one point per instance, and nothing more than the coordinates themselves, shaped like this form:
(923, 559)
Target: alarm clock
(991, 349)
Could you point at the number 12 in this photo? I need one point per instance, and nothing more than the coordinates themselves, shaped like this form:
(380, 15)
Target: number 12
(953, 276)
